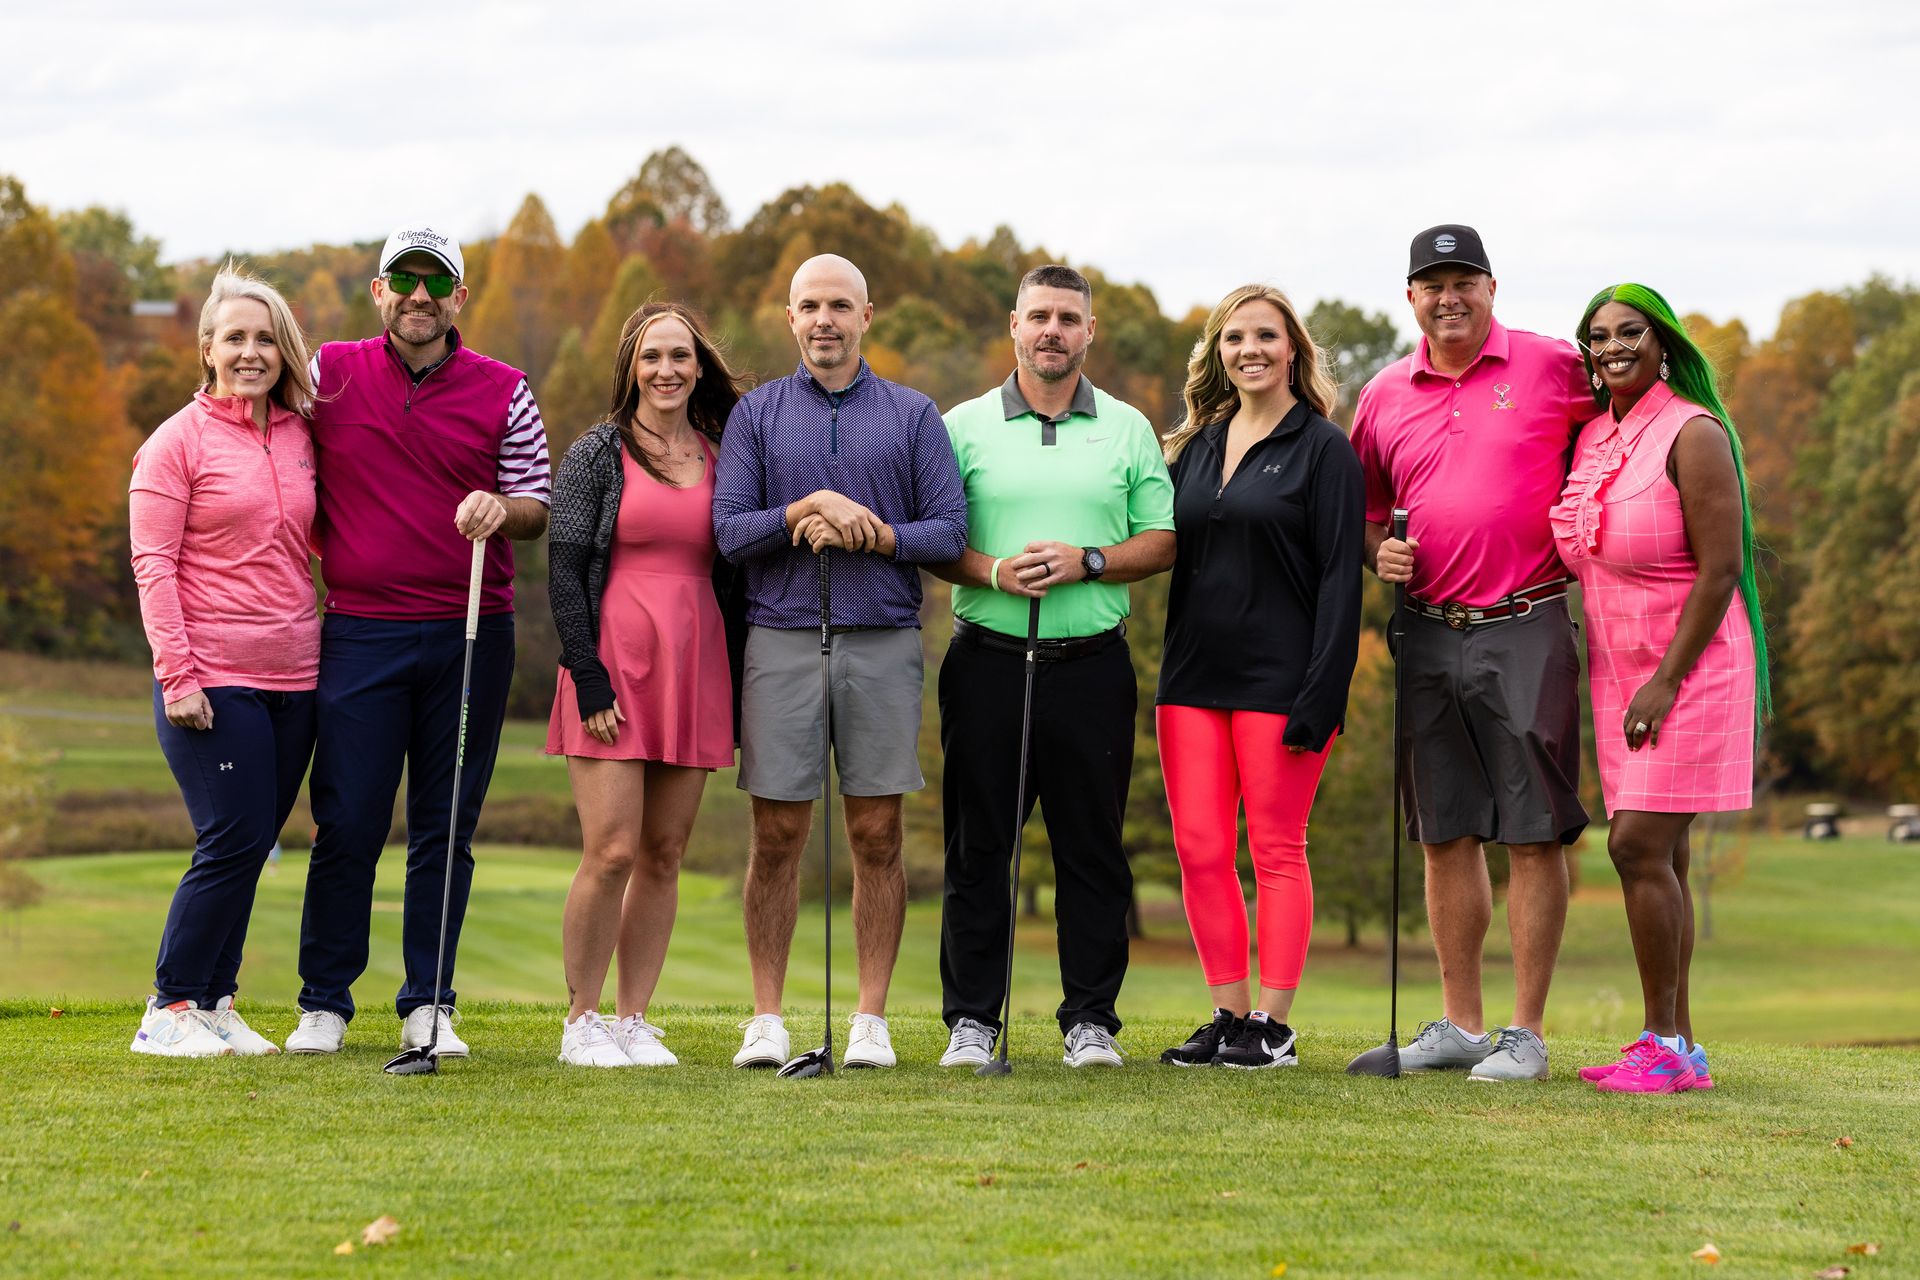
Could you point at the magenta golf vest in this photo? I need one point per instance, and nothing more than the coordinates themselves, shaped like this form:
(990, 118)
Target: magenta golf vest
(395, 460)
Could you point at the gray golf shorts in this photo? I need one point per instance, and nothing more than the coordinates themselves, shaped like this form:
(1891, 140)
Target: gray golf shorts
(876, 679)
(1490, 729)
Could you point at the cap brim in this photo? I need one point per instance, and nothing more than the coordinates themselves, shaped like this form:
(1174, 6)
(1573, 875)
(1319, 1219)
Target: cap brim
(1453, 262)
(435, 254)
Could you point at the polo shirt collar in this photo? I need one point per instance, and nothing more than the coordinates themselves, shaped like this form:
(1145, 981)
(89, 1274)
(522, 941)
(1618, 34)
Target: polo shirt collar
(1494, 348)
(1013, 404)
(1644, 411)
(862, 375)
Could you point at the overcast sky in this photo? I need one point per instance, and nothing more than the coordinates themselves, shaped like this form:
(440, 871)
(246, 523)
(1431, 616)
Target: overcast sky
(1732, 156)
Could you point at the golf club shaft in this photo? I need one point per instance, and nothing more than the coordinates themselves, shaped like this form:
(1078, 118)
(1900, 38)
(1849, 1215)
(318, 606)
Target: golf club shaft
(1020, 815)
(1400, 516)
(459, 759)
(826, 787)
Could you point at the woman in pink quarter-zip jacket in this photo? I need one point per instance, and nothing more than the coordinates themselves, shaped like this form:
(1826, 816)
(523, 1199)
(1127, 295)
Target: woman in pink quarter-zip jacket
(221, 508)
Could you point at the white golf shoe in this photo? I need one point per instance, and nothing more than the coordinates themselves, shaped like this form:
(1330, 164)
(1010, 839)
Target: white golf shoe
(868, 1044)
(640, 1041)
(587, 1041)
(176, 1031)
(766, 1043)
(320, 1031)
(225, 1021)
(418, 1027)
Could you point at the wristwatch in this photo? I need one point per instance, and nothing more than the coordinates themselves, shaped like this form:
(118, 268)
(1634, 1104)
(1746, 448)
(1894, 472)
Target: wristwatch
(1094, 561)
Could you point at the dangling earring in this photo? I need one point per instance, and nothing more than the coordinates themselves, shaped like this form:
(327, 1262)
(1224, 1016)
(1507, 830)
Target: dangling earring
(1290, 373)
(1596, 382)
(1663, 368)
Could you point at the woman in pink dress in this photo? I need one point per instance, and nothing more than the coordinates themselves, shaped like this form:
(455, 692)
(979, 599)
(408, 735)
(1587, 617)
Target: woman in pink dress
(1655, 522)
(644, 707)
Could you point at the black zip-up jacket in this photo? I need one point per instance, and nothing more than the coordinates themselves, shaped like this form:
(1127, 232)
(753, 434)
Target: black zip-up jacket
(586, 502)
(1264, 611)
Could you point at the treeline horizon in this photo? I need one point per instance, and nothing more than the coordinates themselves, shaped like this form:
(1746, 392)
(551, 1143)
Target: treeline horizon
(1828, 408)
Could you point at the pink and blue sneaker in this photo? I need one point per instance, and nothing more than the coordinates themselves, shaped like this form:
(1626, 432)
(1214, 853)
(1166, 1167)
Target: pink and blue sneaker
(1650, 1067)
(1698, 1058)
(1594, 1075)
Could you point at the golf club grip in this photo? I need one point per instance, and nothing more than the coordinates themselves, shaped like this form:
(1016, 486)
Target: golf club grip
(1033, 628)
(473, 587)
(826, 600)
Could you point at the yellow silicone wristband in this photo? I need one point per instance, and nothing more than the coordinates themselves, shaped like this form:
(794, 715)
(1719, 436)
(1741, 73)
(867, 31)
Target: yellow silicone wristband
(993, 574)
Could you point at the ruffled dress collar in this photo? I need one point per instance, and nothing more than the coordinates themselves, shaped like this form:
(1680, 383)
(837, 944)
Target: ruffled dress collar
(1604, 446)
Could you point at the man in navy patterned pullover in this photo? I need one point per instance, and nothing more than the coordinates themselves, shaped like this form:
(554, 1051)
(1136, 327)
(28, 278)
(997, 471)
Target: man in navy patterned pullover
(832, 460)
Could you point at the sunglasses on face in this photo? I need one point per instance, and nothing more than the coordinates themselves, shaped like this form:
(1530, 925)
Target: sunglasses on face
(405, 282)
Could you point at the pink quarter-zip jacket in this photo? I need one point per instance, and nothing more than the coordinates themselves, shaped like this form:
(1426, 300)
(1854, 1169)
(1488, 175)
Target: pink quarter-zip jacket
(221, 517)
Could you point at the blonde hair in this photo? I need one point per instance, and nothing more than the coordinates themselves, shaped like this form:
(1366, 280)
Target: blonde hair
(1211, 397)
(294, 389)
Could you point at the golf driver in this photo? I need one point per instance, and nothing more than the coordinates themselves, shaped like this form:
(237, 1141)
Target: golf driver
(1384, 1061)
(425, 1060)
(819, 1062)
(1000, 1066)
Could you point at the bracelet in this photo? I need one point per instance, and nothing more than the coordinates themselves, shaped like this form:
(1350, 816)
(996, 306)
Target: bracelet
(993, 574)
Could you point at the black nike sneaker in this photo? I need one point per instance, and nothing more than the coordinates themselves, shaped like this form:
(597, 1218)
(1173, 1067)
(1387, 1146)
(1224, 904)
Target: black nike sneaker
(1203, 1046)
(1259, 1044)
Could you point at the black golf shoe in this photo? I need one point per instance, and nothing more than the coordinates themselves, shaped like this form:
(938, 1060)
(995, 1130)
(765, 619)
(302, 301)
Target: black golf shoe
(1202, 1048)
(1259, 1044)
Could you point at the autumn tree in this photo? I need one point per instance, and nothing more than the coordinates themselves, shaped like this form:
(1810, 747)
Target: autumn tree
(514, 314)
(670, 186)
(592, 262)
(321, 308)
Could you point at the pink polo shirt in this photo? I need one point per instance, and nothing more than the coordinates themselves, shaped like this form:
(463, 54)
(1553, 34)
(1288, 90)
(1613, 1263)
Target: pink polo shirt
(220, 517)
(1477, 460)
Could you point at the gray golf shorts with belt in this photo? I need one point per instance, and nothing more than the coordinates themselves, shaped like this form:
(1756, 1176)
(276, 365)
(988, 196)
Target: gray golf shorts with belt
(1490, 729)
(877, 688)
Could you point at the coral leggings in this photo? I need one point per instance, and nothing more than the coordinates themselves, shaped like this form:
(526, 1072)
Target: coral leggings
(1213, 761)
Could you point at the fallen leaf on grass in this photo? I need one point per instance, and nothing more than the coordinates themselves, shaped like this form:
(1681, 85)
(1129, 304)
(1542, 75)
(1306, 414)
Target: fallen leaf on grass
(54, 1013)
(380, 1231)
(1833, 1273)
(985, 1179)
(1081, 1165)
(1708, 1253)
(1866, 1250)
(342, 1249)
(145, 1174)
(1228, 1195)
(1843, 1142)
(252, 1094)
(14, 1225)
(1279, 1269)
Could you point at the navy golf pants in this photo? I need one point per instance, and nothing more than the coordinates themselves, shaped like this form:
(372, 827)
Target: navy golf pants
(389, 697)
(239, 779)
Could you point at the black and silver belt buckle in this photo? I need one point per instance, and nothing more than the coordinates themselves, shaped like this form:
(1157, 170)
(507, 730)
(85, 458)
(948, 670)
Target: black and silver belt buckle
(1455, 615)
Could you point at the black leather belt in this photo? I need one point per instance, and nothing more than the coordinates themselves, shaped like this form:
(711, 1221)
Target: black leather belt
(976, 637)
(1460, 615)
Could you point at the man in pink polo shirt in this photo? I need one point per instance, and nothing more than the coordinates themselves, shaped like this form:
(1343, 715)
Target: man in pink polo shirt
(1472, 434)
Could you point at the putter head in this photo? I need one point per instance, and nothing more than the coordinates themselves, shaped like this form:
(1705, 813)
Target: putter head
(814, 1062)
(997, 1067)
(414, 1062)
(1382, 1061)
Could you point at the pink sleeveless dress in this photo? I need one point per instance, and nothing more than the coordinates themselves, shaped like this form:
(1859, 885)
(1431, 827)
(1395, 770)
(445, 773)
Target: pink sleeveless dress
(662, 638)
(1620, 531)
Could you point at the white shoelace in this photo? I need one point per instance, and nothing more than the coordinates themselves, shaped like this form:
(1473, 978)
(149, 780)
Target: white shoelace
(868, 1027)
(761, 1025)
(592, 1031)
(314, 1019)
(636, 1027)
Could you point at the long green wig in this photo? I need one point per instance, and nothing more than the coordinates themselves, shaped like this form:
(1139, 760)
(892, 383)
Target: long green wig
(1692, 377)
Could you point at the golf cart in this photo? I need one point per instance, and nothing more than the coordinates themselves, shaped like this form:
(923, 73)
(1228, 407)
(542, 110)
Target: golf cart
(1823, 822)
(1906, 823)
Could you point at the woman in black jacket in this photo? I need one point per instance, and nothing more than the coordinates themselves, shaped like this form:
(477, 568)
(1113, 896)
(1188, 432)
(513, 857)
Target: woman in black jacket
(645, 704)
(1263, 626)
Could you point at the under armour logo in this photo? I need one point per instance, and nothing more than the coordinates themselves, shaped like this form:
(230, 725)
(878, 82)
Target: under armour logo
(1273, 468)
(226, 765)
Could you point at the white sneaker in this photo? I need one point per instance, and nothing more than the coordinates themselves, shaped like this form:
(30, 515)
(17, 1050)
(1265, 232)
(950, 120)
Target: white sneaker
(640, 1041)
(224, 1021)
(176, 1031)
(418, 1027)
(1091, 1045)
(868, 1044)
(320, 1031)
(970, 1045)
(766, 1043)
(588, 1042)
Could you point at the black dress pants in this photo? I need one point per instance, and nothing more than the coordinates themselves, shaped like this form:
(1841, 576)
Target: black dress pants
(1079, 764)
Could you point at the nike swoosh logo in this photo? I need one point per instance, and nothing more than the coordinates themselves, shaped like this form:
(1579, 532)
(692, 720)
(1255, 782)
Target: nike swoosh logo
(1098, 439)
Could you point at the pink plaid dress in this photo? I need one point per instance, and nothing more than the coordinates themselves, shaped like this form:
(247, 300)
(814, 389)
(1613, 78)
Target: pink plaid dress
(1619, 529)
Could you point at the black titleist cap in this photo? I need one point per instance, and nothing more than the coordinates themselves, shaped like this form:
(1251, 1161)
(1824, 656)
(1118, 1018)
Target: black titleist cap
(1449, 243)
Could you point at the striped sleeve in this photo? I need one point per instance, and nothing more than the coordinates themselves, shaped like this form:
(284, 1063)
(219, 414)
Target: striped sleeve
(524, 469)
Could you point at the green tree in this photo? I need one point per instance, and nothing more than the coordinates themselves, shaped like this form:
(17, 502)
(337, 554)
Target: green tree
(1359, 343)
(670, 185)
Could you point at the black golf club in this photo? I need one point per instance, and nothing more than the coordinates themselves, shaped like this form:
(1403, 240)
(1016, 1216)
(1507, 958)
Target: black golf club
(425, 1060)
(819, 1062)
(1000, 1066)
(1384, 1061)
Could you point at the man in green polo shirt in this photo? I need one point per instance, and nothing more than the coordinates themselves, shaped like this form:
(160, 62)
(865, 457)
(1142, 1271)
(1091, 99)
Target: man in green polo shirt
(1067, 502)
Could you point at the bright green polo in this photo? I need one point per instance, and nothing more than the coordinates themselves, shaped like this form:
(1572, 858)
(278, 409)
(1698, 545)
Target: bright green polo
(1100, 482)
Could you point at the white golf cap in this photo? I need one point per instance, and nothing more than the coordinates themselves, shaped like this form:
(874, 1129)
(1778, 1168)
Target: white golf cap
(418, 237)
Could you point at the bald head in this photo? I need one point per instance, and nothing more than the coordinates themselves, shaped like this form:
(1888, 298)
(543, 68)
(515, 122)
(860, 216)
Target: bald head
(828, 310)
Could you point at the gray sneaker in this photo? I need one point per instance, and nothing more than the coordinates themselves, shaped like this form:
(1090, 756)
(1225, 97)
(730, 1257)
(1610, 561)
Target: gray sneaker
(1091, 1045)
(1518, 1055)
(1441, 1046)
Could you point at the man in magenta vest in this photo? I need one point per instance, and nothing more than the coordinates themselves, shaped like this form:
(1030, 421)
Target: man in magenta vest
(423, 447)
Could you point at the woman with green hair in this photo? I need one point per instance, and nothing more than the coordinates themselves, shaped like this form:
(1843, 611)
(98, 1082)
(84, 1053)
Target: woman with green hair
(1656, 524)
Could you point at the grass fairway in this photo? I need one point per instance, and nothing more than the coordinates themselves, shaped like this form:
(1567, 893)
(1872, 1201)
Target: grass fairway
(508, 1164)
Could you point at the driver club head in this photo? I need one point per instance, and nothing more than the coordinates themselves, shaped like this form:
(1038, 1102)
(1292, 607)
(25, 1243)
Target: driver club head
(814, 1062)
(413, 1062)
(996, 1067)
(1382, 1061)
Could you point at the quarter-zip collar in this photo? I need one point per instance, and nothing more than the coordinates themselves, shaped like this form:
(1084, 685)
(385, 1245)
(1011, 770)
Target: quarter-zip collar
(418, 376)
(864, 375)
(238, 411)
